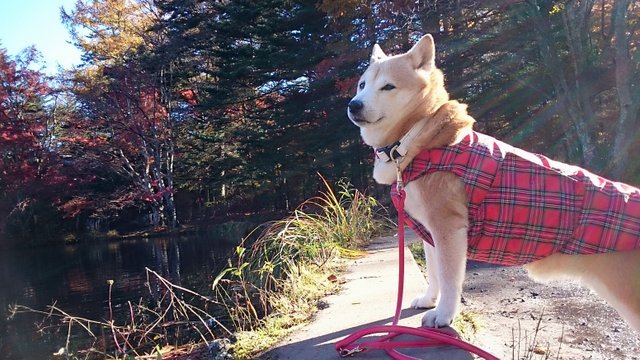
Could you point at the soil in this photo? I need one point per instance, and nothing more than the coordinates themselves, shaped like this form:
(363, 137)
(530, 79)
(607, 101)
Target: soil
(571, 321)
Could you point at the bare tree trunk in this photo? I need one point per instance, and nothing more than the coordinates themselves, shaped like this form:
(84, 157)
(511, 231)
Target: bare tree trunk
(170, 143)
(172, 213)
(569, 89)
(627, 88)
(576, 28)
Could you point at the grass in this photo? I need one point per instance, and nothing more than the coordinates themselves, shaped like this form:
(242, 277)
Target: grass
(275, 283)
(417, 251)
(526, 345)
(178, 324)
(294, 306)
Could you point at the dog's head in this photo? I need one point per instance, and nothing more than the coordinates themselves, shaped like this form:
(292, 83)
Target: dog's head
(392, 90)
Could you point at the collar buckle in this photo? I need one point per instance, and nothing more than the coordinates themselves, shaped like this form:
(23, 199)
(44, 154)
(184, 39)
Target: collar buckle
(393, 152)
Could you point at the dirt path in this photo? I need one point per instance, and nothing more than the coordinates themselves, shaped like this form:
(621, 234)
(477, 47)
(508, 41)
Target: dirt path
(511, 306)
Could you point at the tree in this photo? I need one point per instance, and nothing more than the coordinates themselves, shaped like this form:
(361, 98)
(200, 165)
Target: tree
(261, 103)
(23, 126)
(110, 31)
(127, 99)
(29, 167)
(626, 33)
(239, 103)
(550, 76)
(125, 126)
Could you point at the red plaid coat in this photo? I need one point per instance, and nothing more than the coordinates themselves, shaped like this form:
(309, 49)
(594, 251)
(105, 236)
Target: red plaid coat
(523, 206)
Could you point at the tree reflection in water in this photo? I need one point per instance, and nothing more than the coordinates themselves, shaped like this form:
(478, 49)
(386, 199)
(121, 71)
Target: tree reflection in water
(76, 278)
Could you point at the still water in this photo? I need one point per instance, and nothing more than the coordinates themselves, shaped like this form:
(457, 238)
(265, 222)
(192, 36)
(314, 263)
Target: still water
(75, 277)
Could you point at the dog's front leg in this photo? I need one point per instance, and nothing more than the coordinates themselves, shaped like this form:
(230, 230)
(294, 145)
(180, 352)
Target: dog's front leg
(438, 201)
(430, 297)
(451, 255)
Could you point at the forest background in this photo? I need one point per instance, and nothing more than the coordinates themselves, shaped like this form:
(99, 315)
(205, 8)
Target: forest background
(187, 111)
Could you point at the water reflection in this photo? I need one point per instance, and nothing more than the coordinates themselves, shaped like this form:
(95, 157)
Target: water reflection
(76, 278)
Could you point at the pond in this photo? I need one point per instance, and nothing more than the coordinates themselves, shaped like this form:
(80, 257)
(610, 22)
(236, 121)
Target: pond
(76, 278)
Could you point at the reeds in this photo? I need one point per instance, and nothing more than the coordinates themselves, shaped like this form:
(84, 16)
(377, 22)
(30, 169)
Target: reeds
(270, 276)
(177, 319)
(273, 282)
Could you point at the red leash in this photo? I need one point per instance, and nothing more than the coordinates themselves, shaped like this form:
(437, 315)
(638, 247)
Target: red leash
(429, 337)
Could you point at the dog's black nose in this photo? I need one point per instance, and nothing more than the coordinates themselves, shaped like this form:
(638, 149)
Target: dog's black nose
(355, 106)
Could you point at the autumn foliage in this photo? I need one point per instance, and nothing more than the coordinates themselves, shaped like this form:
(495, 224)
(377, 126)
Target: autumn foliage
(192, 110)
(23, 122)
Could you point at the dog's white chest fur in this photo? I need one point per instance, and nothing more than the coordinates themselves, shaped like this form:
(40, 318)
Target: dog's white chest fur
(384, 172)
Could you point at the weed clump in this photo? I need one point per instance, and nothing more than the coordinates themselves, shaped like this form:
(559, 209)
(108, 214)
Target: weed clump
(275, 282)
(176, 323)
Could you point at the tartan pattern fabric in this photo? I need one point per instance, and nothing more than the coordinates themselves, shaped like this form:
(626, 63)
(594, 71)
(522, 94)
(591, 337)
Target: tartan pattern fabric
(524, 206)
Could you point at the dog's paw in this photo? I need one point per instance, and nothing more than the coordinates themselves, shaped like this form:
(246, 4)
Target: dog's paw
(436, 318)
(425, 301)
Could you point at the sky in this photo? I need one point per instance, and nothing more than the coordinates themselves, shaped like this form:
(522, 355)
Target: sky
(37, 22)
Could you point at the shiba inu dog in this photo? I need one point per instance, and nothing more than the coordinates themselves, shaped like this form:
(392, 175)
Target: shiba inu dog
(471, 196)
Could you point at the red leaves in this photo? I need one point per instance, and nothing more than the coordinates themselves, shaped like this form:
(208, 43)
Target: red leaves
(76, 206)
(123, 128)
(22, 120)
(154, 197)
(20, 85)
(324, 67)
(189, 95)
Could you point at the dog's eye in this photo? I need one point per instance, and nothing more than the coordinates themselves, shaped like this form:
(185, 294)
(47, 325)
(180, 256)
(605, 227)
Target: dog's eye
(361, 85)
(387, 87)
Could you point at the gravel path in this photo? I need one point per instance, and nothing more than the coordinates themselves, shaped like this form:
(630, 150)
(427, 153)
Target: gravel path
(572, 320)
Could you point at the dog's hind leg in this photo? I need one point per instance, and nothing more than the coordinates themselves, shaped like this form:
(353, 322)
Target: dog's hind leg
(430, 297)
(613, 276)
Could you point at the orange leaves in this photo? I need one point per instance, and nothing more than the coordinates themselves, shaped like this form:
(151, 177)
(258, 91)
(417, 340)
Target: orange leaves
(75, 206)
(85, 141)
(108, 30)
(189, 96)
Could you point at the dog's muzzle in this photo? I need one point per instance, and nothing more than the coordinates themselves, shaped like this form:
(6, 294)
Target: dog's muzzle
(355, 106)
(354, 111)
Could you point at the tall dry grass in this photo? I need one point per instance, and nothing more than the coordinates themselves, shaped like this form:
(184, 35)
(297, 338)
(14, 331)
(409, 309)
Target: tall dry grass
(274, 282)
(270, 276)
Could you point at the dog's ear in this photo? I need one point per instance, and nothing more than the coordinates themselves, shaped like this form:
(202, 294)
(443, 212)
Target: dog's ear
(377, 53)
(423, 53)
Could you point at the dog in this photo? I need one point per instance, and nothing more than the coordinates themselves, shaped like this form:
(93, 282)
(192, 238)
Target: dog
(470, 195)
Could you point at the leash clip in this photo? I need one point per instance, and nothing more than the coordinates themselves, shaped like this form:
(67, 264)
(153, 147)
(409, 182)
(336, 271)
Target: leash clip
(399, 182)
(350, 352)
